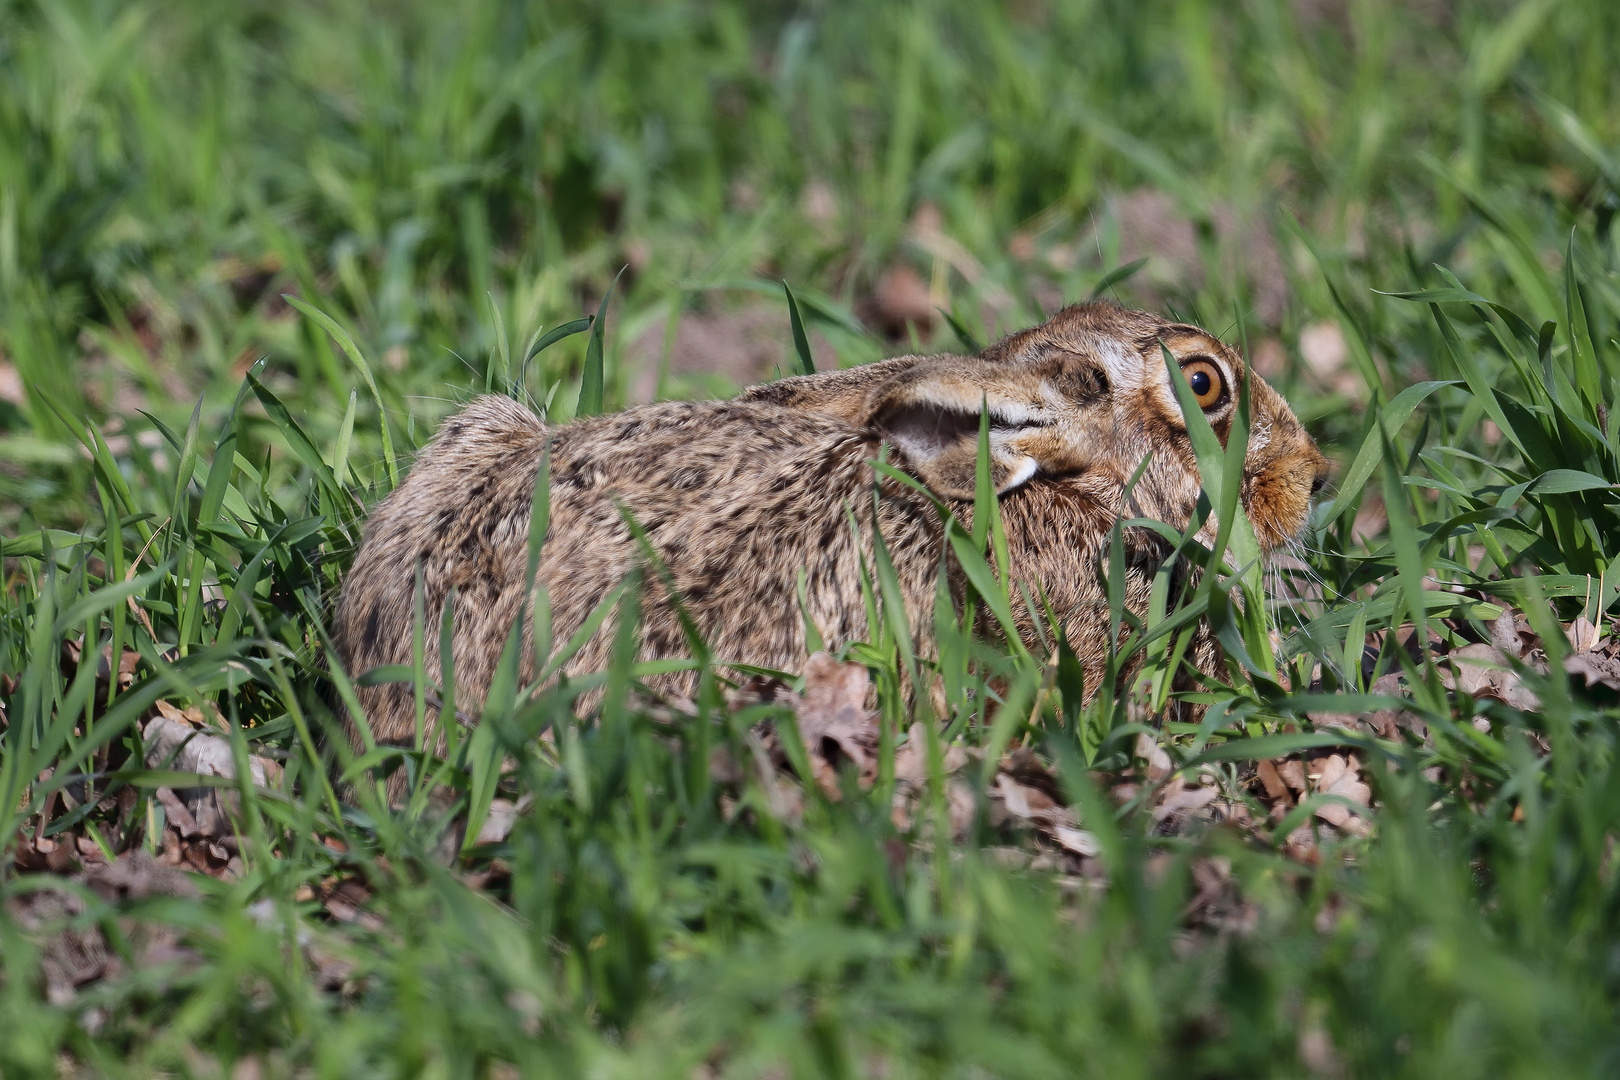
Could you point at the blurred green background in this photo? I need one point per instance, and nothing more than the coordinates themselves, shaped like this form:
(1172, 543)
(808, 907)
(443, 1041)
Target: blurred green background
(168, 170)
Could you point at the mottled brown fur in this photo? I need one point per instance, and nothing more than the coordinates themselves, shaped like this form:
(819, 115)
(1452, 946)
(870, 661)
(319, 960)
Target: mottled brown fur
(738, 496)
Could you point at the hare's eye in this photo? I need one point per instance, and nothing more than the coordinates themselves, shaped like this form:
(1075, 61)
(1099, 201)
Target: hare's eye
(1206, 382)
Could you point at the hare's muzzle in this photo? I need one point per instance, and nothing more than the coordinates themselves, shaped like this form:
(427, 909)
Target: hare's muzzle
(1279, 493)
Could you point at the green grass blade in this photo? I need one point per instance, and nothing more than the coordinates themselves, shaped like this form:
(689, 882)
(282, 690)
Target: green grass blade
(801, 343)
(301, 444)
(545, 341)
(503, 349)
(969, 340)
(1392, 417)
(340, 453)
(352, 351)
(591, 382)
(1117, 276)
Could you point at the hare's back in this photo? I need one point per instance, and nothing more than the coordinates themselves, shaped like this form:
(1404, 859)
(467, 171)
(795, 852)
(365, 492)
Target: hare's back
(732, 499)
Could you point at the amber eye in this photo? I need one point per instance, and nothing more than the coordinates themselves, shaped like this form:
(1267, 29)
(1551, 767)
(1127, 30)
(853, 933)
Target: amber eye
(1206, 382)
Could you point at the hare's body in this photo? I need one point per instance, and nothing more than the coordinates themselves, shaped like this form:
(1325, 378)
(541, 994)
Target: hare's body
(724, 496)
(736, 498)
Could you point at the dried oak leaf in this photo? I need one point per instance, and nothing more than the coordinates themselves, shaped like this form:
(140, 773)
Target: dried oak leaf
(210, 720)
(1292, 773)
(327, 955)
(1484, 671)
(911, 776)
(1340, 775)
(1180, 800)
(911, 759)
(1480, 670)
(1582, 634)
(834, 722)
(1158, 761)
(1025, 789)
(503, 815)
(128, 660)
(345, 901)
(1512, 635)
(1594, 668)
(1271, 779)
(179, 745)
(1218, 903)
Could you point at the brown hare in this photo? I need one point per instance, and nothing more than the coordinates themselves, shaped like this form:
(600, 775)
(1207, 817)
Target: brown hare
(738, 497)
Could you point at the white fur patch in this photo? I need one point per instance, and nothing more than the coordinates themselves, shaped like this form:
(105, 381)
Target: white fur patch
(1260, 435)
(1021, 475)
(1124, 366)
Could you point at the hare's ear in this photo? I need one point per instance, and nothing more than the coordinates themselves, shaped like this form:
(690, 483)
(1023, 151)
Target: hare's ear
(845, 394)
(931, 416)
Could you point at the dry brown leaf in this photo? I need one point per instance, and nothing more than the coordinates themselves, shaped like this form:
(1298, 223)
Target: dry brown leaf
(834, 721)
(1582, 634)
(1328, 771)
(192, 715)
(1292, 773)
(503, 814)
(723, 768)
(1340, 775)
(1477, 670)
(179, 745)
(1505, 635)
(1077, 841)
(1025, 802)
(1391, 685)
(1181, 798)
(72, 651)
(961, 806)
(331, 970)
(1340, 817)
(1158, 761)
(1030, 803)
(1218, 905)
(1512, 634)
(346, 904)
(1484, 671)
(911, 759)
(754, 690)
(1272, 781)
(177, 814)
(1594, 668)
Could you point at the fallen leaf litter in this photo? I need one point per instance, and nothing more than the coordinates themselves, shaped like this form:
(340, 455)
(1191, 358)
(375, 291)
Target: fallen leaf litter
(1029, 821)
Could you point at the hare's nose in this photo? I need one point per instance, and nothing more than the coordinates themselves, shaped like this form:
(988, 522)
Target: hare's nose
(1319, 481)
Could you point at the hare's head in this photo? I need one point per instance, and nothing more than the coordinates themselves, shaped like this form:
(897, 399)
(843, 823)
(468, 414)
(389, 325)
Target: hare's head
(1075, 406)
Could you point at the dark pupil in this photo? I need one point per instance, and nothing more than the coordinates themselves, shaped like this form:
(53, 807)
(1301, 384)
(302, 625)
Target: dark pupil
(1199, 383)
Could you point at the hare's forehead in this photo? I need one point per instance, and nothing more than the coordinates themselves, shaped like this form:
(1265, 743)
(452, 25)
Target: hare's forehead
(1134, 364)
(1121, 361)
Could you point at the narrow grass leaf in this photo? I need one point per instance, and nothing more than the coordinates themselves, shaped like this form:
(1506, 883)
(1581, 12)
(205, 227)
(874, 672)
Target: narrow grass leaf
(352, 351)
(801, 343)
(591, 382)
(1117, 276)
